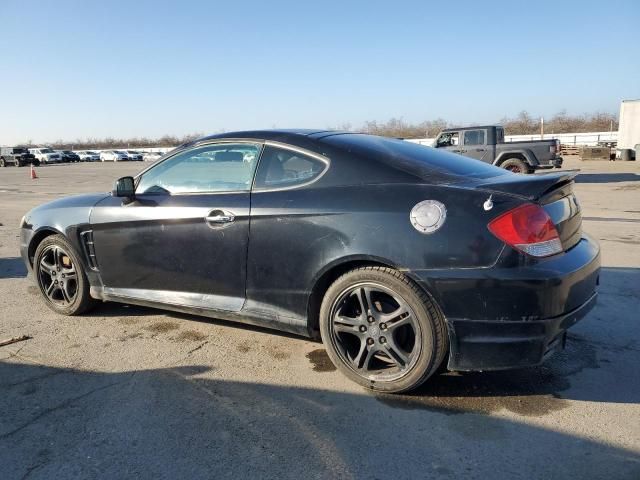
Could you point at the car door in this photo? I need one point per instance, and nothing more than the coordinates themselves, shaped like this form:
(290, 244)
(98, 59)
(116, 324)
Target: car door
(449, 140)
(183, 239)
(474, 144)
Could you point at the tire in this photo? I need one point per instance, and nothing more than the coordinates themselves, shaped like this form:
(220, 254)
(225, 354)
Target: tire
(3, 163)
(516, 165)
(381, 336)
(57, 246)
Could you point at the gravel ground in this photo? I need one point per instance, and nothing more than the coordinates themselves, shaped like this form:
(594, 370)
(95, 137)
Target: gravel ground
(129, 391)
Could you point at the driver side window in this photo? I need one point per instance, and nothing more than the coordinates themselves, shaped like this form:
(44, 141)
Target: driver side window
(448, 139)
(211, 168)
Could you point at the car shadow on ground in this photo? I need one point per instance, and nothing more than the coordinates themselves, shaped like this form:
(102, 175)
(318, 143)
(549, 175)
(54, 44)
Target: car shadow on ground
(607, 177)
(603, 341)
(182, 423)
(12, 267)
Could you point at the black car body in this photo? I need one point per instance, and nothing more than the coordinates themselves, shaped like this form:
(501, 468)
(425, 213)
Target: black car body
(266, 251)
(486, 143)
(69, 156)
(18, 156)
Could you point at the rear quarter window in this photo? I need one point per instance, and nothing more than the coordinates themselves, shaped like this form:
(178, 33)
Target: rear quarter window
(284, 168)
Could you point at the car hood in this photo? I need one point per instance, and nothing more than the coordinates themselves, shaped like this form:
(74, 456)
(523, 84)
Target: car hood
(84, 200)
(64, 212)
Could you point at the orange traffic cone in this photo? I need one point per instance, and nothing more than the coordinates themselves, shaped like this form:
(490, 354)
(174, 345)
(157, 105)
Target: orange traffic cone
(33, 173)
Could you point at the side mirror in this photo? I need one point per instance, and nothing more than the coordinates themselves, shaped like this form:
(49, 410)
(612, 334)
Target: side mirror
(124, 187)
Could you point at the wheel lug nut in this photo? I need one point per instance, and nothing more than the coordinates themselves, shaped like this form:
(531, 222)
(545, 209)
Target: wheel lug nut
(53, 273)
(370, 319)
(383, 326)
(383, 340)
(363, 328)
(55, 282)
(369, 341)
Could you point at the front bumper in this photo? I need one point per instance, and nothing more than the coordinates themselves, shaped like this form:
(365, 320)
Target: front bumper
(514, 314)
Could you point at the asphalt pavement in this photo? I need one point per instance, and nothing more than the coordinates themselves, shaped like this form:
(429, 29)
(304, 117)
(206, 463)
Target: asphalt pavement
(135, 392)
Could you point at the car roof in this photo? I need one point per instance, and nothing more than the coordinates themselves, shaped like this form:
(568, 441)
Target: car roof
(475, 127)
(269, 134)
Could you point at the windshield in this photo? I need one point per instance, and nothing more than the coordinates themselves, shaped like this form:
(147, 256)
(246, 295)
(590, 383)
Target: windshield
(19, 150)
(47, 150)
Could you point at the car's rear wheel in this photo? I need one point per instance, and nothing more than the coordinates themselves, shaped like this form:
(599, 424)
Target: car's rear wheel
(61, 277)
(2, 162)
(516, 165)
(381, 330)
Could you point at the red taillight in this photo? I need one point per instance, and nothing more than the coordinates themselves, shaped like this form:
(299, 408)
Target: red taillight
(529, 229)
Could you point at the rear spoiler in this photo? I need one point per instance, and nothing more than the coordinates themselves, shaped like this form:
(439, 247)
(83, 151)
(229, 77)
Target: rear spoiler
(531, 187)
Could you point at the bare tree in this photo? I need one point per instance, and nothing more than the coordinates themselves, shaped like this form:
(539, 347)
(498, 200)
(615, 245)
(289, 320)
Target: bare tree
(522, 124)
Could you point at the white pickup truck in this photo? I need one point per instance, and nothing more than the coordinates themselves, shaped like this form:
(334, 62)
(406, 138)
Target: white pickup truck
(46, 155)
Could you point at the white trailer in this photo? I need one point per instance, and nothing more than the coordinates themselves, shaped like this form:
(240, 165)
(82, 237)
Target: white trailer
(629, 129)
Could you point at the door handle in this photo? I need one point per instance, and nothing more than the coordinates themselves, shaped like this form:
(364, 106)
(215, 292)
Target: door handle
(219, 217)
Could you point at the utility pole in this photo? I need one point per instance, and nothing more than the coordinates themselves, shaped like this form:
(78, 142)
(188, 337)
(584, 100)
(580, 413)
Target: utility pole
(541, 128)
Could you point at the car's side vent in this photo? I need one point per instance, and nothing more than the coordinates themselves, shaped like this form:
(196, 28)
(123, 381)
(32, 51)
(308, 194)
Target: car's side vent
(89, 250)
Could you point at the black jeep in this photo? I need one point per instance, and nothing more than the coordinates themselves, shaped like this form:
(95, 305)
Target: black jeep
(18, 156)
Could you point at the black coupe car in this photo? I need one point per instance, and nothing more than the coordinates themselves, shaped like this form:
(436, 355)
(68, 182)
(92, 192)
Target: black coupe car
(400, 257)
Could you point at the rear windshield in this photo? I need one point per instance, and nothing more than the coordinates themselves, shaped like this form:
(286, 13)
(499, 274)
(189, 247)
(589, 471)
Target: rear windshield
(412, 157)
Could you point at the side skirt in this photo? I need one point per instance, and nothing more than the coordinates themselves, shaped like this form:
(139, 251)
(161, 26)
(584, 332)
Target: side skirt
(275, 322)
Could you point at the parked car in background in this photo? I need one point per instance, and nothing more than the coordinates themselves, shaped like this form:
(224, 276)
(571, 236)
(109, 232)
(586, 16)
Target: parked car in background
(113, 156)
(69, 156)
(398, 256)
(151, 156)
(487, 144)
(134, 156)
(18, 156)
(46, 155)
(88, 156)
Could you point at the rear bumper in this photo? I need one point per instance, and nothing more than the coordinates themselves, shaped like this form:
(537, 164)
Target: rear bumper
(510, 315)
(494, 345)
(555, 162)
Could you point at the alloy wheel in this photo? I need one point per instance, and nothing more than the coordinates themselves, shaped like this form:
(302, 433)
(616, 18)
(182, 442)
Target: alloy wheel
(57, 276)
(375, 332)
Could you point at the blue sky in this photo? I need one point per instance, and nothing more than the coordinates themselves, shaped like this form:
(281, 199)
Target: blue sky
(77, 69)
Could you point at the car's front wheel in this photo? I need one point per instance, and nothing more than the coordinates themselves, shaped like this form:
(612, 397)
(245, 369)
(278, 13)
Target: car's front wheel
(381, 330)
(61, 277)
